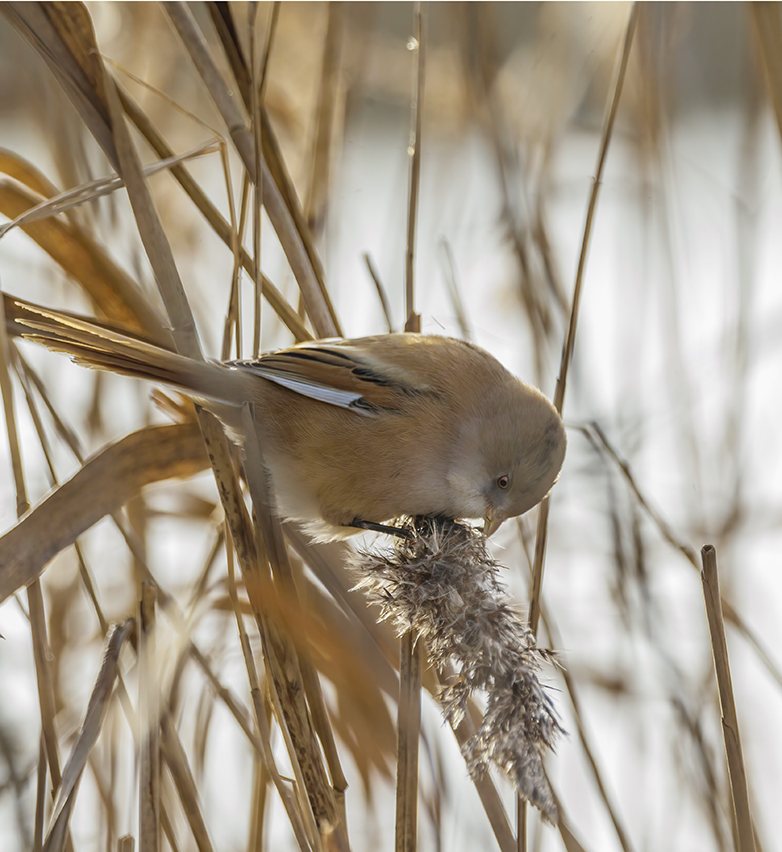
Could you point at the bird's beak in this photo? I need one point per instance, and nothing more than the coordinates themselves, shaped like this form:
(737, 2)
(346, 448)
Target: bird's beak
(491, 523)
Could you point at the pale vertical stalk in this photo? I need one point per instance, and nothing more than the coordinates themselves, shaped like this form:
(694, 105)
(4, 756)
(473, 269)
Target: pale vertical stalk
(413, 321)
(216, 221)
(233, 316)
(149, 717)
(744, 835)
(521, 824)
(40, 796)
(408, 731)
(257, 92)
(409, 705)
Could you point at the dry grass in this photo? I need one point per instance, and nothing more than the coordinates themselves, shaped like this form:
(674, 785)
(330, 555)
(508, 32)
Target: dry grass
(248, 696)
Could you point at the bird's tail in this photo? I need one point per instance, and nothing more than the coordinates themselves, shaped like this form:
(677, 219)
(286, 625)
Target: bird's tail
(105, 348)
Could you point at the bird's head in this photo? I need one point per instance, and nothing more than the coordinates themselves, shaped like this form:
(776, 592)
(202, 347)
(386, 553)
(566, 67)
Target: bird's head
(507, 455)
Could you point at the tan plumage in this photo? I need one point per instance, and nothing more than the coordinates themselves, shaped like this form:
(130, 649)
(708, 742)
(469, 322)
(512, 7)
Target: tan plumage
(363, 430)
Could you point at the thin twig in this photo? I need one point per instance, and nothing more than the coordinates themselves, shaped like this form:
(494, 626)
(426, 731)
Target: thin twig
(453, 289)
(380, 289)
(570, 338)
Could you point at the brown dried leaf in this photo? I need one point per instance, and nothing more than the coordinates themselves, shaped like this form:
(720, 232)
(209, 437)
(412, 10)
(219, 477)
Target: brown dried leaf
(114, 292)
(101, 486)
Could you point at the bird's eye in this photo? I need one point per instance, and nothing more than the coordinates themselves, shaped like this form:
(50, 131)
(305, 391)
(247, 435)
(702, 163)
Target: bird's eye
(503, 482)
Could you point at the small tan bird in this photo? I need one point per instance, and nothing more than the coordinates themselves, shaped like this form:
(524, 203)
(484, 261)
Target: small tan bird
(358, 432)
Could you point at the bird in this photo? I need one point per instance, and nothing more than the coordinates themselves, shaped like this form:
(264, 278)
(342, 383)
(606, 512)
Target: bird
(357, 433)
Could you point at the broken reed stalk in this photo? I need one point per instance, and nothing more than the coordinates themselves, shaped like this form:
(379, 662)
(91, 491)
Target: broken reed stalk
(744, 834)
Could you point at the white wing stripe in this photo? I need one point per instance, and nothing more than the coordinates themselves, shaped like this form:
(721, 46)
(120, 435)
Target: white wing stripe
(332, 396)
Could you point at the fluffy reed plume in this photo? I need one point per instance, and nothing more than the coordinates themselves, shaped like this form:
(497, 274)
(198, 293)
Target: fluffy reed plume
(444, 587)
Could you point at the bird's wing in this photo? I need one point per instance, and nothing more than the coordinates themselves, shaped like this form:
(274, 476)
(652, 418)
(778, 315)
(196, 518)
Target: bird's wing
(336, 373)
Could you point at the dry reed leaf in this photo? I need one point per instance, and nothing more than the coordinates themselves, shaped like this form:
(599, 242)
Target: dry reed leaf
(74, 26)
(72, 198)
(153, 237)
(113, 291)
(42, 656)
(25, 172)
(328, 562)
(88, 734)
(62, 34)
(273, 159)
(289, 235)
(276, 551)
(213, 216)
(380, 290)
(103, 484)
(275, 162)
(186, 341)
(568, 838)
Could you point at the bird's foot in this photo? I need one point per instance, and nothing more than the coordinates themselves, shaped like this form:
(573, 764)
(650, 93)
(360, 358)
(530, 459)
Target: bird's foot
(408, 535)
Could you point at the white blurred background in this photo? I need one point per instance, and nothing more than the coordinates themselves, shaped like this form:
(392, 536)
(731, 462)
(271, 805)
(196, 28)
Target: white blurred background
(678, 360)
